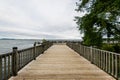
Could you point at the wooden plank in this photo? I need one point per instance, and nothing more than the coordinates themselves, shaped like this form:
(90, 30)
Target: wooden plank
(61, 63)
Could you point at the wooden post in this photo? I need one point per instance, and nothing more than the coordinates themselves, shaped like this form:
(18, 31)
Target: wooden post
(91, 54)
(14, 61)
(43, 48)
(34, 51)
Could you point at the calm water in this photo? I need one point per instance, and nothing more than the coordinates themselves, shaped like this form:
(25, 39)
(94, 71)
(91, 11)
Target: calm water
(6, 45)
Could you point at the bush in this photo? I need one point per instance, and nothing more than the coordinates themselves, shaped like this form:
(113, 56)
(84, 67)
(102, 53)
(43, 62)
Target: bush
(116, 48)
(108, 47)
(112, 47)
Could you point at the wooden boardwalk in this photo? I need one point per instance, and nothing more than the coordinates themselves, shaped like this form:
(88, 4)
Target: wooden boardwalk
(60, 62)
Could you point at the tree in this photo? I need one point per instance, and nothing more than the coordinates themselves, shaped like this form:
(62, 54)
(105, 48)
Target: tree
(44, 40)
(101, 19)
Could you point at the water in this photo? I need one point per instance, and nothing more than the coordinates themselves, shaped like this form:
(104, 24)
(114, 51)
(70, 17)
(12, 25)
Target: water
(6, 45)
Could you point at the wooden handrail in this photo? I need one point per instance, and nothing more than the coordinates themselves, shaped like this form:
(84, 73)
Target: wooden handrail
(107, 61)
(12, 62)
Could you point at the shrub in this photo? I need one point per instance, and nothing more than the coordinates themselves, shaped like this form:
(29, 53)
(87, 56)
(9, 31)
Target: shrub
(108, 47)
(116, 48)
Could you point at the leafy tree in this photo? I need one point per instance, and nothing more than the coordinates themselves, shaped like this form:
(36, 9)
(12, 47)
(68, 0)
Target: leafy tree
(101, 18)
(44, 40)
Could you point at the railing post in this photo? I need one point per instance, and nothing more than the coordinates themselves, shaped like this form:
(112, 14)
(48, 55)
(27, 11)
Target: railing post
(34, 51)
(91, 54)
(43, 47)
(14, 61)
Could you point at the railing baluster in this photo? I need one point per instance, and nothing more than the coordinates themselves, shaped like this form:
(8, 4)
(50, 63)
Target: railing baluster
(0, 67)
(116, 66)
(94, 56)
(8, 66)
(97, 58)
(96, 61)
(34, 53)
(109, 63)
(103, 64)
(112, 64)
(106, 61)
(5, 73)
(93, 51)
(102, 59)
(19, 61)
(29, 55)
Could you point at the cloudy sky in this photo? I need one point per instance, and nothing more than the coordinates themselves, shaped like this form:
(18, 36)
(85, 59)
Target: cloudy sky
(27, 19)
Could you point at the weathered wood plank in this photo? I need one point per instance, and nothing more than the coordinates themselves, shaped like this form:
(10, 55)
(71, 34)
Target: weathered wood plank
(61, 63)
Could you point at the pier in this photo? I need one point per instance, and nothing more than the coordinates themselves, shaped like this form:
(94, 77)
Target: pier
(61, 61)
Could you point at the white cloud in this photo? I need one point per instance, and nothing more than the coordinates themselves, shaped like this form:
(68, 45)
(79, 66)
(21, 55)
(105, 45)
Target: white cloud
(38, 19)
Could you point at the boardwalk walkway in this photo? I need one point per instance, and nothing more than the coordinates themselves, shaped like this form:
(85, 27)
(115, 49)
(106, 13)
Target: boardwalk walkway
(60, 62)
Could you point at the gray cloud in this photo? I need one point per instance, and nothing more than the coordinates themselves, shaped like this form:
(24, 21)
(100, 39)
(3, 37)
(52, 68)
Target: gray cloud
(38, 19)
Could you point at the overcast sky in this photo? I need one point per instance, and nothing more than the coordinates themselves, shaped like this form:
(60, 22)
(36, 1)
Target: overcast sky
(28, 19)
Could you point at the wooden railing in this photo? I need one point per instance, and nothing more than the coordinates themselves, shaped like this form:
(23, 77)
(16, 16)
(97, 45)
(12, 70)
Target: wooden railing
(11, 63)
(107, 61)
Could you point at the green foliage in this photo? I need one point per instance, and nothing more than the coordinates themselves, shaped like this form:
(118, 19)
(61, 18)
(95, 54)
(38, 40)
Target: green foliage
(101, 20)
(92, 39)
(44, 40)
(116, 48)
(108, 47)
(111, 47)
